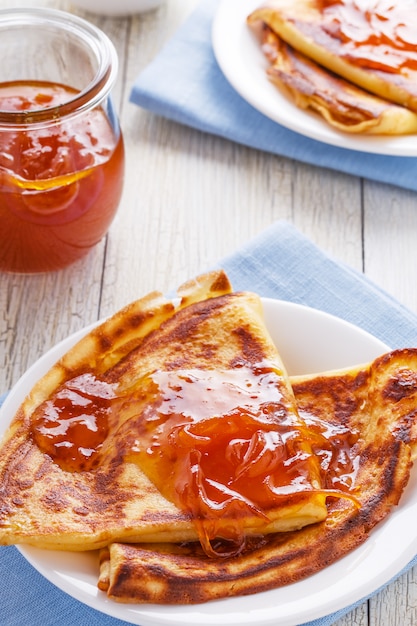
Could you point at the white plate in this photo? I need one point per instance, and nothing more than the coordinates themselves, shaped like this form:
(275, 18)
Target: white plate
(243, 63)
(309, 341)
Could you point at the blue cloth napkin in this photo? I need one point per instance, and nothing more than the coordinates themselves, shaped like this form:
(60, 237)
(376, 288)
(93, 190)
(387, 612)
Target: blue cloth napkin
(280, 263)
(184, 83)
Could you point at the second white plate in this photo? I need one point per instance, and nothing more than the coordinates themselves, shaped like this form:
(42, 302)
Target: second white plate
(243, 64)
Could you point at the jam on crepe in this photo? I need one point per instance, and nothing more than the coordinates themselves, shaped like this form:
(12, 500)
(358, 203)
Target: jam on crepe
(72, 426)
(377, 34)
(224, 446)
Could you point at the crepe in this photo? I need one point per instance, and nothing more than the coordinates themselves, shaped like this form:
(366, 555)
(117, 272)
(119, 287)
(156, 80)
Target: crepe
(371, 45)
(342, 104)
(363, 425)
(159, 426)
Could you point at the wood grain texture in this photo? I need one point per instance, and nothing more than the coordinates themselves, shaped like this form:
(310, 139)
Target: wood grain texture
(190, 199)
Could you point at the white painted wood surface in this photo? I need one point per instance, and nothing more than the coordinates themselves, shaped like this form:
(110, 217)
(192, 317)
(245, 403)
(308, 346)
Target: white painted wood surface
(180, 185)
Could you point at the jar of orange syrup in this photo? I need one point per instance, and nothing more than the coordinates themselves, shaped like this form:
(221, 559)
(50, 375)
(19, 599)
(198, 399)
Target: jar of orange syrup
(61, 148)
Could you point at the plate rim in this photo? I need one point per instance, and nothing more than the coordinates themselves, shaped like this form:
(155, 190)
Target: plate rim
(306, 123)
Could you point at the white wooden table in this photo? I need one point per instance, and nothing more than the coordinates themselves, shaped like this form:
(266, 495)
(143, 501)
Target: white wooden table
(180, 185)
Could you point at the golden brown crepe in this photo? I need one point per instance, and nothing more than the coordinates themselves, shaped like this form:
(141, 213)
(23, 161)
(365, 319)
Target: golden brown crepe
(363, 424)
(342, 104)
(98, 452)
(167, 414)
(373, 49)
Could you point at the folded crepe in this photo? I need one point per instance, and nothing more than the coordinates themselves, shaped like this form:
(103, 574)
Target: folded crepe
(172, 438)
(363, 428)
(342, 104)
(160, 425)
(344, 53)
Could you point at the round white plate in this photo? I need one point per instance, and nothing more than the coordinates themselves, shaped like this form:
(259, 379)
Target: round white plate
(240, 57)
(309, 341)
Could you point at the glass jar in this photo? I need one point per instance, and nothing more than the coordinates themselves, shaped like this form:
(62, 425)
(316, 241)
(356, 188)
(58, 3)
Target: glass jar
(61, 148)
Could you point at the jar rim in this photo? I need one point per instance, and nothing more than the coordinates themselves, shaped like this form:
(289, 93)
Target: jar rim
(97, 41)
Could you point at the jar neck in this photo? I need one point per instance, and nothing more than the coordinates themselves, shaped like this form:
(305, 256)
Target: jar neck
(81, 102)
(83, 64)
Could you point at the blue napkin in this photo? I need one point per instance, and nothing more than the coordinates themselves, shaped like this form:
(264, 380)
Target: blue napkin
(280, 263)
(185, 84)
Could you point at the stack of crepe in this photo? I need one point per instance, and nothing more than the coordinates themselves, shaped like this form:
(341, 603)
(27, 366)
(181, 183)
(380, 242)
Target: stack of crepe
(353, 63)
(213, 474)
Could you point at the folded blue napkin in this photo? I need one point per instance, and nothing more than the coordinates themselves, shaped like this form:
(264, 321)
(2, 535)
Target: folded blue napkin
(279, 263)
(184, 83)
